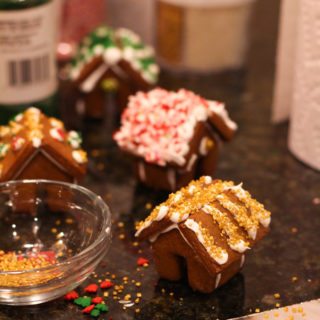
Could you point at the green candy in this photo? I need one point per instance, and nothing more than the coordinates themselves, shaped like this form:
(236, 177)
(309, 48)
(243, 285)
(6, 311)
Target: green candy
(83, 301)
(102, 307)
(95, 313)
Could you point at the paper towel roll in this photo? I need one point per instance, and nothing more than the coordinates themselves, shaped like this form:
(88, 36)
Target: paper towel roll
(304, 134)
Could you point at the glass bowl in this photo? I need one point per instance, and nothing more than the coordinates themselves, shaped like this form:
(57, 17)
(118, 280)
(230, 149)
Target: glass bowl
(52, 236)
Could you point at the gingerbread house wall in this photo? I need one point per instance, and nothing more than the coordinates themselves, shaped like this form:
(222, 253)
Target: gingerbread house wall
(174, 261)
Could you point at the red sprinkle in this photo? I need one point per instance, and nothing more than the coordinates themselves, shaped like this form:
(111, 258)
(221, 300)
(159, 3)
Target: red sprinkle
(142, 261)
(155, 284)
(103, 265)
(106, 284)
(91, 288)
(71, 296)
(88, 309)
(96, 300)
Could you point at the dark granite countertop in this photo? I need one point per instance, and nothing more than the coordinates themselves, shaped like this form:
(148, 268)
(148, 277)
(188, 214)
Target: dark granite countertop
(258, 157)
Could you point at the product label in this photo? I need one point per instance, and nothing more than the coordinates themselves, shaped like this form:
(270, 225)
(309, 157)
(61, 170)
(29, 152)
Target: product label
(27, 54)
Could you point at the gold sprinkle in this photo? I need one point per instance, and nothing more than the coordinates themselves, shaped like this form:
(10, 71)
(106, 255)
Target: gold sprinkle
(145, 265)
(125, 278)
(163, 290)
(148, 205)
(137, 300)
(294, 230)
(120, 224)
(277, 305)
(139, 294)
(137, 310)
(171, 294)
(124, 308)
(303, 314)
(135, 244)
(285, 309)
(276, 314)
(58, 222)
(122, 236)
(106, 294)
(133, 281)
(69, 221)
(127, 297)
(54, 230)
(277, 295)
(294, 310)
(138, 284)
(266, 316)
(294, 279)
(113, 276)
(257, 310)
(291, 317)
(115, 293)
(300, 309)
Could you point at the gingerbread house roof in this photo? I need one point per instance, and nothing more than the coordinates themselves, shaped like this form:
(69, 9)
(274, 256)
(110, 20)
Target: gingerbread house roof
(219, 220)
(106, 48)
(31, 132)
(159, 125)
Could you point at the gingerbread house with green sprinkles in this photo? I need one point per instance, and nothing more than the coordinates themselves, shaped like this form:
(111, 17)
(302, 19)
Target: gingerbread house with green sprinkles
(108, 66)
(204, 229)
(33, 146)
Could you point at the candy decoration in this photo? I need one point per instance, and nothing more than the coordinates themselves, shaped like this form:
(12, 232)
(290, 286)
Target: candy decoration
(102, 307)
(18, 117)
(91, 288)
(110, 84)
(95, 313)
(56, 123)
(71, 296)
(17, 142)
(88, 309)
(106, 284)
(4, 149)
(142, 261)
(4, 130)
(83, 301)
(96, 300)
(74, 139)
(58, 134)
(80, 156)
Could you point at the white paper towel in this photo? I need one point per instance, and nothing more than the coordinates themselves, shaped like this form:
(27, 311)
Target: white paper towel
(301, 95)
(304, 134)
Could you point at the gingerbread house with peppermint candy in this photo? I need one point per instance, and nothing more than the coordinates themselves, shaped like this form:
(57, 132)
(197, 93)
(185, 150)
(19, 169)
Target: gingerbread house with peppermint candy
(33, 146)
(205, 230)
(108, 66)
(173, 137)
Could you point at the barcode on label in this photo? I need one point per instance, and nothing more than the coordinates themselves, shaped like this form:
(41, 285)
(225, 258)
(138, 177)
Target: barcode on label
(28, 71)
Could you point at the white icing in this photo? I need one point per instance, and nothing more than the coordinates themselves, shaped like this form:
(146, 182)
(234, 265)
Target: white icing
(219, 109)
(154, 68)
(77, 156)
(265, 221)
(56, 123)
(155, 236)
(191, 189)
(112, 56)
(218, 278)
(191, 162)
(207, 179)
(175, 217)
(141, 171)
(171, 178)
(239, 246)
(54, 133)
(36, 142)
(18, 117)
(90, 82)
(162, 213)
(98, 49)
(203, 150)
(194, 226)
(177, 197)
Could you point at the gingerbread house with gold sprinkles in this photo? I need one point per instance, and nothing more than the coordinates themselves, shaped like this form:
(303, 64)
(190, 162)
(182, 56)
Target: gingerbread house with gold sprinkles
(33, 146)
(208, 226)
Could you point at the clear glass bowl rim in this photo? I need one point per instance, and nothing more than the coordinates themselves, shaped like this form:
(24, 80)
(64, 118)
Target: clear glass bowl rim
(106, 214)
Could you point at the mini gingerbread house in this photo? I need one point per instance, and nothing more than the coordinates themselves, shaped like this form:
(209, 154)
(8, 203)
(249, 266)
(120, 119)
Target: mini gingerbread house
(173, 137)
(109, 65)
(208, 227)
(33, 146)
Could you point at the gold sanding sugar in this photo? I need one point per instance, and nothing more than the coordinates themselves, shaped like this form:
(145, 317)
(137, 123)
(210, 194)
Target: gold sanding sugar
(12, 262)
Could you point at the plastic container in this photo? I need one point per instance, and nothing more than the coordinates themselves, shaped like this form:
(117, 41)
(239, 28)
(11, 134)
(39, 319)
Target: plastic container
(202, 35)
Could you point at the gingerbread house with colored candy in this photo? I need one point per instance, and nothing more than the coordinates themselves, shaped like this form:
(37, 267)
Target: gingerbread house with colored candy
(108, 66)
(206, 227)
(33, 146)
(173, 137)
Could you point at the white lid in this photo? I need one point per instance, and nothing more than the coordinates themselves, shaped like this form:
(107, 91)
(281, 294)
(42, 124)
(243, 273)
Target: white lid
(207, 3)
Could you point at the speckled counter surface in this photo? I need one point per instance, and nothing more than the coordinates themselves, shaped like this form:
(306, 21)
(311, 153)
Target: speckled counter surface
(287, 261)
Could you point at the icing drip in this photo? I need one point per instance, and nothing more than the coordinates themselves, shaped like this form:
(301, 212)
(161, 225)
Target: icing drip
(256, 208)
(203, 150)
(217, 254)
(243, 257)
(218, 278)
(141, 171)
(171, 177)
(235, 241)
(219, 108)
(240, 214)
(191, 162)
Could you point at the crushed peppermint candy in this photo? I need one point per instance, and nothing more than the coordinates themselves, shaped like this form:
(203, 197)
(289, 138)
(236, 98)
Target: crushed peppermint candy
(57, 134)
(17, 142)
(159, 125)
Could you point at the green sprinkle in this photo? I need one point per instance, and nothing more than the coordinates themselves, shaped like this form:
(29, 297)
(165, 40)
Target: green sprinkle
(102, 307)
(83, 301)
(95, 313)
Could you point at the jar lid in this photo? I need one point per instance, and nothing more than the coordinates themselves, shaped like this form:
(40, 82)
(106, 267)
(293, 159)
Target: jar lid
(207, 3)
